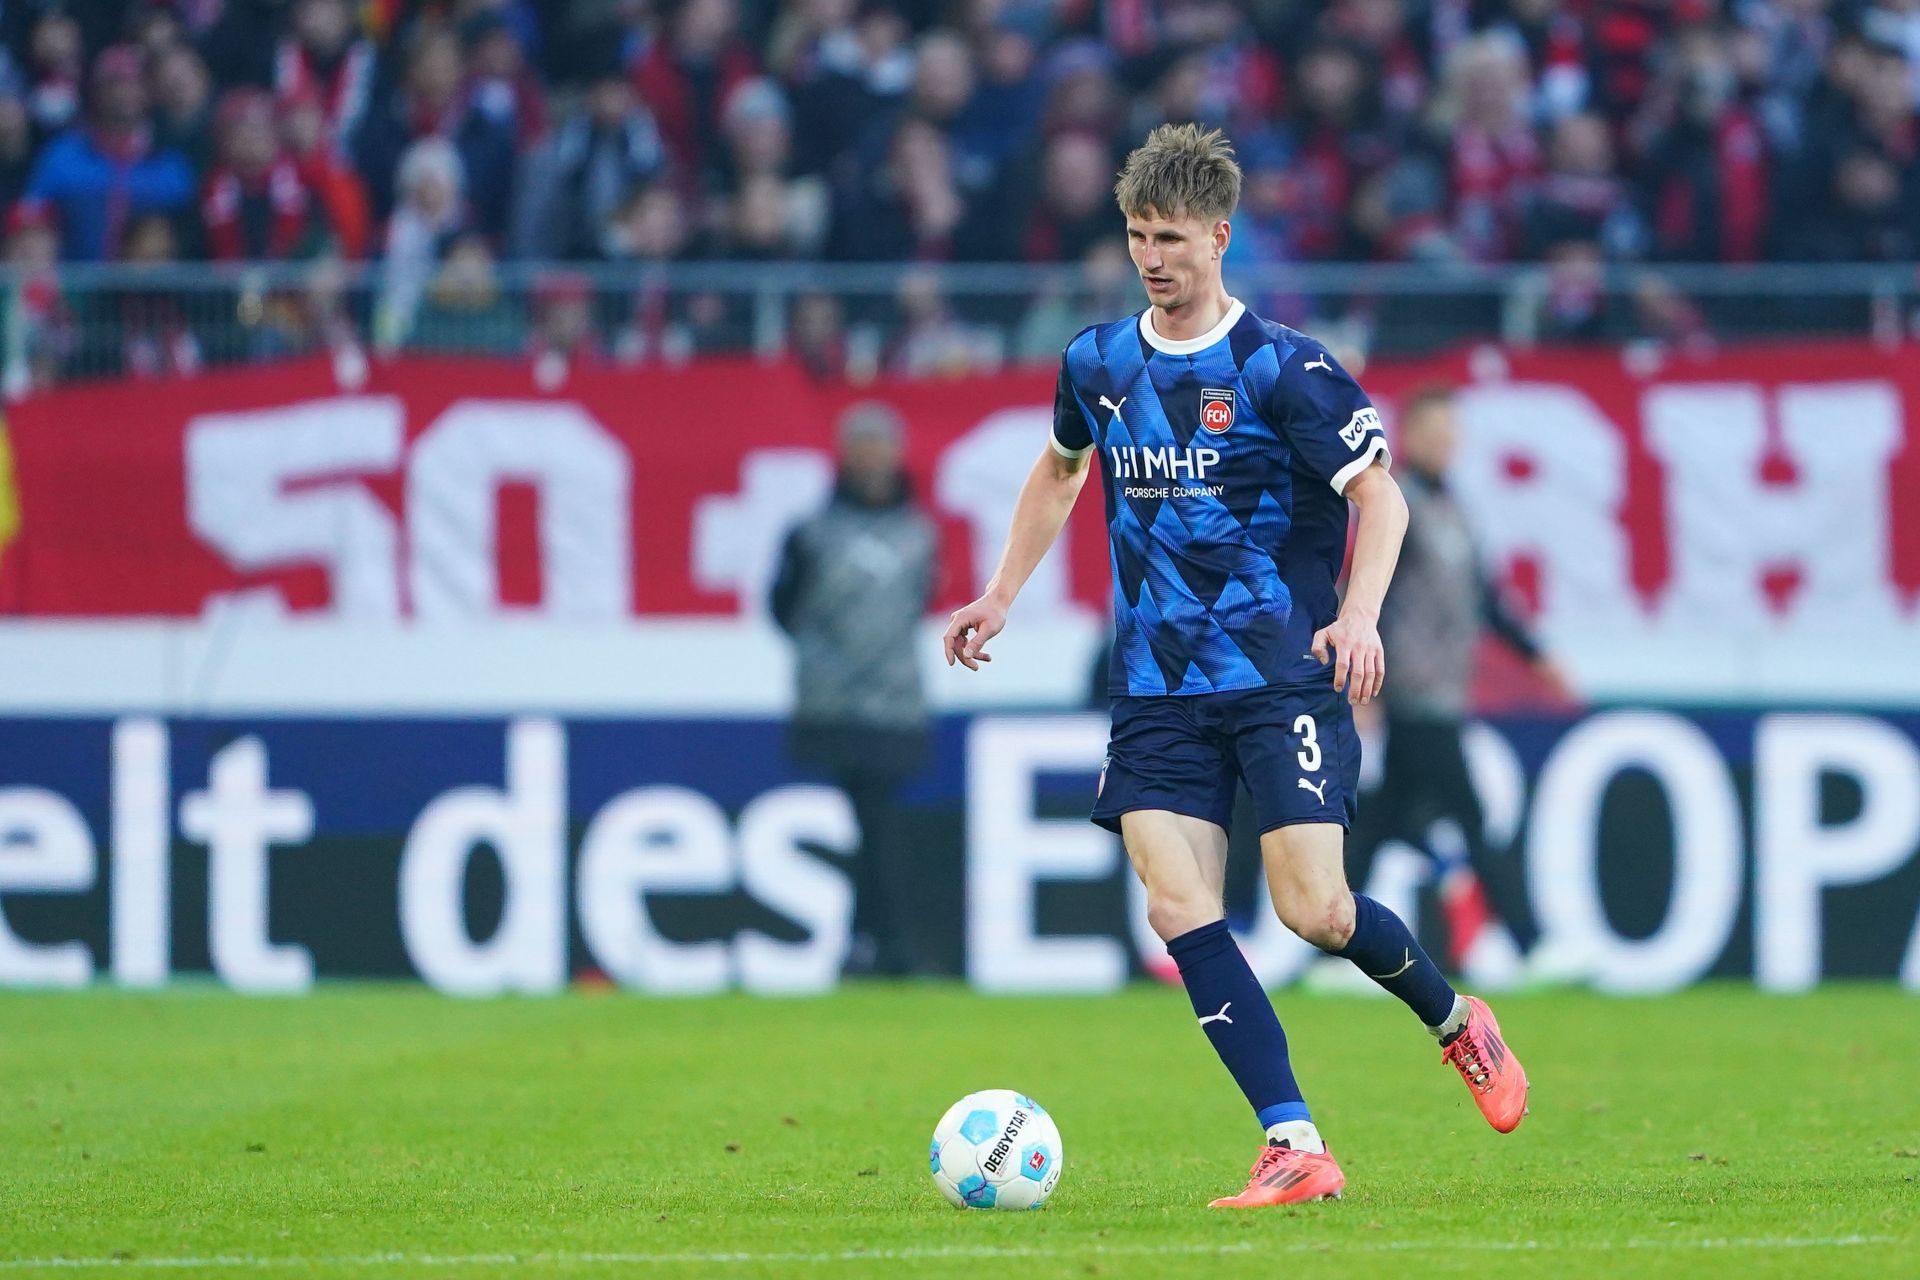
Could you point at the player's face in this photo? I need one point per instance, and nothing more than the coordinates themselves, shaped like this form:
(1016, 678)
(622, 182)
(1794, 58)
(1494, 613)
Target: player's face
(1178, 258)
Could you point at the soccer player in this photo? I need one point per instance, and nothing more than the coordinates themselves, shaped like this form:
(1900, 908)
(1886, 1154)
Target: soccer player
(1230, 447)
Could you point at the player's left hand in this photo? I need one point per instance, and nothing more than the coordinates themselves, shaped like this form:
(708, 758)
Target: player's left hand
(1359, 659)
(969, 629)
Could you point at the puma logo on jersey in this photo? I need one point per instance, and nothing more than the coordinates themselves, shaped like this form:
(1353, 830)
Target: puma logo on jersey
(1110, 406)
(1319, 788)
(1321, 363)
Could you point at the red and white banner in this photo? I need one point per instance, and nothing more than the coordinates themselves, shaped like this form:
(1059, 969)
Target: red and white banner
(1761, 495)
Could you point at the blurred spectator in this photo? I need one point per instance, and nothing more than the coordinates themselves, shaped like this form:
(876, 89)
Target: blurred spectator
(1380, 28)
(651, 225)
(1493, 155)
(1874, 214)
(242, 42)
(38, 320)
(325, 59)
(1582, 196)
(1899, 24)
(1557, 54)
(16, 149)
(915, 150)
(758, 128)
(56, 62)
(1225, 79)
(853, 583)
(909, 207)
(596, 159)
(1706, 169)
(183, 105)
(465, 310)
(686, 79)
(563, 330)
(256, 206)
(432, 103)
(313, 317)
(502, 86)
(99, 177)
(1302, 175)
(1873, 177)
(156, 337)
(336, 188)
(1401, 212)
(153, 27)
(943, 88)
(1569, 303)
(1085, 94)
(1785, 44)
(1108, 286)
(1442, 602)
(818, 336)
(841, 71)
(651, 228)
(1625, 47)
(931, 340)
(431, 212)
(760, 224)
(1075, 210)
(1180, 92)
(1011, 93)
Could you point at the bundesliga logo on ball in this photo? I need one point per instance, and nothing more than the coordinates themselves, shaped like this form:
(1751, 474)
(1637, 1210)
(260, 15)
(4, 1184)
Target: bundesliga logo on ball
(995, 1149)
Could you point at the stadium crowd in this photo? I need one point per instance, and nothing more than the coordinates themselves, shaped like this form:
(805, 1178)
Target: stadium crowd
(444, 136)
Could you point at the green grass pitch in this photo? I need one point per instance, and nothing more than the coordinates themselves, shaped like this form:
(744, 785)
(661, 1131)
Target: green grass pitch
(388, 1132)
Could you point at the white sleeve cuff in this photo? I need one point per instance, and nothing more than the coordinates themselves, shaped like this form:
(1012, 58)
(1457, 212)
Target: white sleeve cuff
(1376, 448)
(1065, 452)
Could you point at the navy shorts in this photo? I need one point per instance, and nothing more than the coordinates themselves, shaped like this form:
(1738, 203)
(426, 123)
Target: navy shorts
(1294, 747)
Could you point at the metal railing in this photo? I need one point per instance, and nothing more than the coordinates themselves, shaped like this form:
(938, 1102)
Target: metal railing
(87, 321)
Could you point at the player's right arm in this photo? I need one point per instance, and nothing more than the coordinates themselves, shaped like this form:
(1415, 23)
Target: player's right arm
(1046, 499)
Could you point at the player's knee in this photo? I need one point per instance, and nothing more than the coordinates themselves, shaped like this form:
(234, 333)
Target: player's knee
(1323, 919)
(1172, 914)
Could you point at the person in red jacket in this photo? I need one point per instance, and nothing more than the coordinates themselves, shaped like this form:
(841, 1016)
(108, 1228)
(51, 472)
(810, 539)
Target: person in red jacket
(336, 188)
(255, 205)
(326, 58)
(687, 78)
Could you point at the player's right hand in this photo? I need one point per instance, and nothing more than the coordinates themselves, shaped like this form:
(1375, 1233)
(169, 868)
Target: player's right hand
(969, 629)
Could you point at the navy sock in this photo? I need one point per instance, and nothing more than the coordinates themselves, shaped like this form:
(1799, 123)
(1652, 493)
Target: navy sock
(1239, 1019)
(1384, 949)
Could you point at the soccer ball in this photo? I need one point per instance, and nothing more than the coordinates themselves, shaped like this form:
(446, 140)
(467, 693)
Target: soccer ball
(996, 1149)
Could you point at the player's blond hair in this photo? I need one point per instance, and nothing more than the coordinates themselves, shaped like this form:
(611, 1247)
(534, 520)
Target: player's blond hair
(1180, 171)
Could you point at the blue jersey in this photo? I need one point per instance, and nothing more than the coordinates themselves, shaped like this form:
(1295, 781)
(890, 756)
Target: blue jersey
(1224, 459)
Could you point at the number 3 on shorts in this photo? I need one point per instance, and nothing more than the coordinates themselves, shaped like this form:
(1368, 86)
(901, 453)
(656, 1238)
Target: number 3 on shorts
(1309, 753)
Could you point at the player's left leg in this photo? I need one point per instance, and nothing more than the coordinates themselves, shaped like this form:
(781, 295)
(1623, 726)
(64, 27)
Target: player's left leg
(1300, 756)
(1308, 882)
(1310, 895)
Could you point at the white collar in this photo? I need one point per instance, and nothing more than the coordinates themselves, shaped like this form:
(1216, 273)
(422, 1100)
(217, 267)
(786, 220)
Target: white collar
(1188, 346)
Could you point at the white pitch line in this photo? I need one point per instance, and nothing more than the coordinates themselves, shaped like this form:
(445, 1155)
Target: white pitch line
(934, 1253)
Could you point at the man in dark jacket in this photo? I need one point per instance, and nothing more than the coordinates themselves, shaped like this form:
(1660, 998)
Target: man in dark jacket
(853, 584)
(1441, 603)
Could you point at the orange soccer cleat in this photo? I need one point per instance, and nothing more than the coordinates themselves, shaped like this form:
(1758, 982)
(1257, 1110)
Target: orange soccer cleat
(1481, 1056)
(1284, 1176)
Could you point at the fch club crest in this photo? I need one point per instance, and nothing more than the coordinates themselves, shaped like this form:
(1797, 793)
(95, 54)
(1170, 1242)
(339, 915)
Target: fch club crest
(1216, 409)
